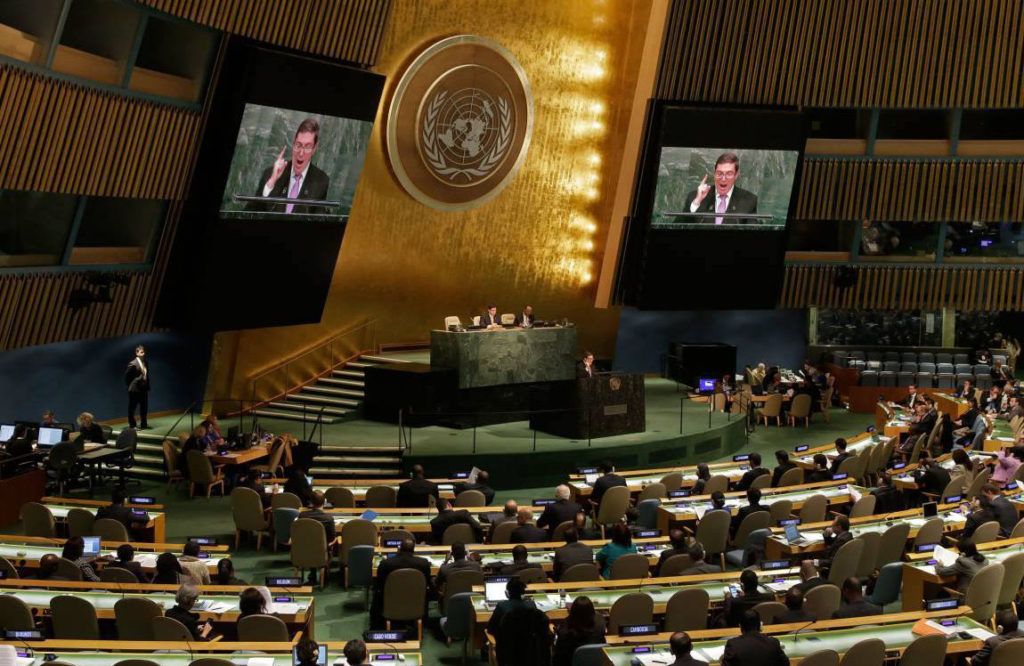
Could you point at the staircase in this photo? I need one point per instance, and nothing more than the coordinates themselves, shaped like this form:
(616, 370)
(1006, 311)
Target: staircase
(339, 393)
(357, 462)
(149, 455)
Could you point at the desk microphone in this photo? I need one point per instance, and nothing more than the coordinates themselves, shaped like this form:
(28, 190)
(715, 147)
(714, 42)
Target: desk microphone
(796, 634)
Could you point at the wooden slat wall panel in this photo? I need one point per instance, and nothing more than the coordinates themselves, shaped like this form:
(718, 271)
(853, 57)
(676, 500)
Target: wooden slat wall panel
(33, 309)
(906, 288)
(840, 53)
(350, 30)
(911, 190)
(87, 141)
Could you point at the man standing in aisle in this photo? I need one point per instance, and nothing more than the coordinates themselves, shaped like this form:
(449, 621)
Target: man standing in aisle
(136, 378)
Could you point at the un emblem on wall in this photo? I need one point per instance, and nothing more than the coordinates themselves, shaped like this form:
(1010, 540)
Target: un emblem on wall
(459, 123)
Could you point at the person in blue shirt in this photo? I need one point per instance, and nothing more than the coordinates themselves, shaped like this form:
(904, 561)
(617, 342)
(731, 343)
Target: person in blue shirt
(621, 544)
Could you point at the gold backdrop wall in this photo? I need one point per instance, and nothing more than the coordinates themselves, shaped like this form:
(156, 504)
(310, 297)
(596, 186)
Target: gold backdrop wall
(407, 266)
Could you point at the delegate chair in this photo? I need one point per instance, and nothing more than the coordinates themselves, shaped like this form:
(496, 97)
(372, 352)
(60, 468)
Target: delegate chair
(769, 609)
(15, 614)
(37, 520)
(868, 554)
(405, 598)
(202, 473)
(718, 482)
(283, 518)
(68, 570)
(285, 501)
(647, 513)
(868, 652)
(79, 522)
(987, 531)
(134, 618)
(846, 561)
(503, 532)
(470, 498)
(247, 512)
(143, 662)
(761, 482)
(865, 506)
(381, 497)
(631, 565)
(821, 601)
(814, 509)
(169, 629)
(672, 481)
(340, 497)
(356, 532)
(800, 409)
(457, 623)
(713, 534)
(892, 544)
(459, 582)
(821, 658)
(7, 570)
(1010, 653)
(929, 533)
(674, 565)
(108, 529)
(74, 618)
(792, 477)
(687, 610)
(256, 628)
(273, 466)
(780, 510)
(772, 409)
(1013, 573)
(983, 592)
(925, 651)
(359, 570)
(887, 587)
(653, 491)
(210, 661)
(632, 608)
(309, 548)
(171, 455)
(458, 532)
(117, 575)
(578, 573)
(613, 507)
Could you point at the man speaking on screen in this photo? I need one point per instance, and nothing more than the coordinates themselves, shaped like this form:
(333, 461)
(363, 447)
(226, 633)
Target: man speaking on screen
(727, 197)
(296, 178)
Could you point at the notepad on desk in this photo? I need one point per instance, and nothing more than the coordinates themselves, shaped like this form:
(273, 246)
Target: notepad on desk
(286, 608)
(260, 661)
(711, 653)
(944, 556)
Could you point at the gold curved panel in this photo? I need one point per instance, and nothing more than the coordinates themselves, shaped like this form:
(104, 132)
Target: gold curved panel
(539, 241)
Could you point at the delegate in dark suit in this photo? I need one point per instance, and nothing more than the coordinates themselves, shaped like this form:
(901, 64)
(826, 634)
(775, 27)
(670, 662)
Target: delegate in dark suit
(314, 186)
(528, 534)
(449, 517)
(482, 487)
(325, 519)
(741, 201)
(558, 513)
(754, 647)
(603, 483)
(487, 319)
(137, 380)
(187, 618)
(118, 512)
(415, 493)
(133, 567)
(570, 555)
(1003, 511)
(985, 653)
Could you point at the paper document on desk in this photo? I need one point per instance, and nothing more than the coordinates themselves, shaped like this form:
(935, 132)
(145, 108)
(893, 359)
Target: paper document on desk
(220, 607)
(711, 654)
(813, 537)
(700, 510)
(855, 494)
(260, 661)
(982, 634)
(917, 522)
(944, 556)
(779, 587)
(146, 560)
(286, 608)
(654, 659)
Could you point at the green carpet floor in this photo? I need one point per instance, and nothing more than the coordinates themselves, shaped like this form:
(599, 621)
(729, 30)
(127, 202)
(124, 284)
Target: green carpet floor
(339, 614)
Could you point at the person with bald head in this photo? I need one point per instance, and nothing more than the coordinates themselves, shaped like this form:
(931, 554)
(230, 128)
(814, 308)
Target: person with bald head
(527, 532)
(416, 492)
(482, 484)
(563, 510)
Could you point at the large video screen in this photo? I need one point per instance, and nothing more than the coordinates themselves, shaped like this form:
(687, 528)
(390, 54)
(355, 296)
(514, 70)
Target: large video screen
(724, 187)
(293, 162)
(714, 194)
(273, 185)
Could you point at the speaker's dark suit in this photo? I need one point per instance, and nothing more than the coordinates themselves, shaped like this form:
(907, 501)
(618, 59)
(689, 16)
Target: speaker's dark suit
(138, 391)
(741, 201)
(313, 187)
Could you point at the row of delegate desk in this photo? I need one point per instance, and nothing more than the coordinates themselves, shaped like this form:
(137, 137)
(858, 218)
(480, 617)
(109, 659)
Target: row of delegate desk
(1000, 435)
(217, 603)
(154, 530)
(24, 552)
(105, 653)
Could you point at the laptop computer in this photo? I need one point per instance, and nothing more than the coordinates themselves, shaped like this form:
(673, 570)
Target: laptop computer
(50, 436)
(92, 546)
(793, 536)
(494, 589)
(6, 432)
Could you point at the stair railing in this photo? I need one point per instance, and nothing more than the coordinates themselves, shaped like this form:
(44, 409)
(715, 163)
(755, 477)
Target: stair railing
(307, 366)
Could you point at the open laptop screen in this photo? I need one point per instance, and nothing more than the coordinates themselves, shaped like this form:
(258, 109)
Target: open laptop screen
(92, 546)
(494, 588)
(50, 436)
(6, 432)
